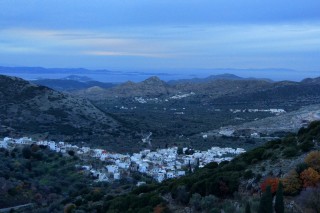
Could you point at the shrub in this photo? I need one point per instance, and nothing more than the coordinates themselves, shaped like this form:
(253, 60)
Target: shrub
(26, 152)
(69, 208)
(290, 152)
(248, 174)
(195, 201)
(208, 202)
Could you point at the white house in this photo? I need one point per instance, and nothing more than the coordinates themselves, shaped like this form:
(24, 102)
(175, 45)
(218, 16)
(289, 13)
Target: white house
(170, 175)
(112, 168)
(181, 173)
(4, 144)
(116, 176)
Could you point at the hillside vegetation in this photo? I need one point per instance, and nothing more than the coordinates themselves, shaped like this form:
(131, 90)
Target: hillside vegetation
(51, 182)
(216, 187)
(40, 112)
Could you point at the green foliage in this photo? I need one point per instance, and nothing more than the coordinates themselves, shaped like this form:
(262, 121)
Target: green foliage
(36, 175)
(180, 150)
(133, 203)
(195, 201)
(290, 152)
(248, 174)
(208, 202)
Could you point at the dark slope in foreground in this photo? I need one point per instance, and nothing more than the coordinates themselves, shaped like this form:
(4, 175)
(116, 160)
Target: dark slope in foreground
(217, 187)
(27, 109)
(51, 182)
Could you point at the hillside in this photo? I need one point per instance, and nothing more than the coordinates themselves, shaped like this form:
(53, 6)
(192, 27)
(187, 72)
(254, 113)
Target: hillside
(35, 179)
(230, 185)
(151, 87)
(51, 182)
(28, 109)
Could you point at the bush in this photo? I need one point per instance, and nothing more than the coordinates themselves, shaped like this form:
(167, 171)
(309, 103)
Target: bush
(290, 152)
(248, 174)
(306, 146)
(195, 201)
(26, 152)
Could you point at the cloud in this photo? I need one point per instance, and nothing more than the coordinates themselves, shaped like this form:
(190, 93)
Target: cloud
(201, 46)
(108, 53)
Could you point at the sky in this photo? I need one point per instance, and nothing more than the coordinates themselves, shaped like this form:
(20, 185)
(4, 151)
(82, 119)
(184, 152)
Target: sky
(161, 35)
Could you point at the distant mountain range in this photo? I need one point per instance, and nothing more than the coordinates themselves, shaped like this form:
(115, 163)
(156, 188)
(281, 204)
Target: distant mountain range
(116, 76)
(225, 76)
(72, 82)
(75, 82)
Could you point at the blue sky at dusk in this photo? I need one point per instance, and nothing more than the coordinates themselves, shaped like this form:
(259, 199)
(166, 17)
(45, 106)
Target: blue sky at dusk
(161, 34)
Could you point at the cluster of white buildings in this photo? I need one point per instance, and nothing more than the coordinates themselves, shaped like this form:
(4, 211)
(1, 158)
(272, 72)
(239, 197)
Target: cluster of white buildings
(142, 100)
(160, 164)
(179, 96)
(273, 111)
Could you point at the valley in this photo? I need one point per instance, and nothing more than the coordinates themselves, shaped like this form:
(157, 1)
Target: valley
(155, 138)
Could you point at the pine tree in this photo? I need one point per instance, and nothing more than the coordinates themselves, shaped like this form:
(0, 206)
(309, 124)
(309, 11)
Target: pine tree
(279, 205)
(248, 209)
(265, 205)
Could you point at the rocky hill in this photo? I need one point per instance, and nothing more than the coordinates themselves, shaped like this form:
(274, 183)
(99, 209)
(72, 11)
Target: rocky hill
(154, 87)
(210, 78)
(151, 87)
(28, 109)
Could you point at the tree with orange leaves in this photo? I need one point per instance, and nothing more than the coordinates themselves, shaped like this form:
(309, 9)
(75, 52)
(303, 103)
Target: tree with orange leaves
(160, 208)
(313, 160)
(291, 183)
(310, 178)
(272, 182)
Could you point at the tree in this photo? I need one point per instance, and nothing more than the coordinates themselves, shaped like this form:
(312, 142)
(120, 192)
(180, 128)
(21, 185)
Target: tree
(272, 182)
(195, 201)
(208, 202)
(69, 208)
(279, 205)
(313, 160)
(182, 195)
(71, 152)
(291, 183)
(310, 178)
(265, 205)
(179, 151)
(248, 209)
(26, 152)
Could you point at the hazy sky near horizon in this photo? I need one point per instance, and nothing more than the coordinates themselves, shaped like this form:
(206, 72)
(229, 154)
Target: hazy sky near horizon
(161, 34)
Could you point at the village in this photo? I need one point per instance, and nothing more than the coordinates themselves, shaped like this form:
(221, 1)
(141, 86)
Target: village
(160, 164)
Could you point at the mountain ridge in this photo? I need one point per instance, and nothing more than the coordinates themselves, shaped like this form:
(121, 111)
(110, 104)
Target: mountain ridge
(28, 109)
